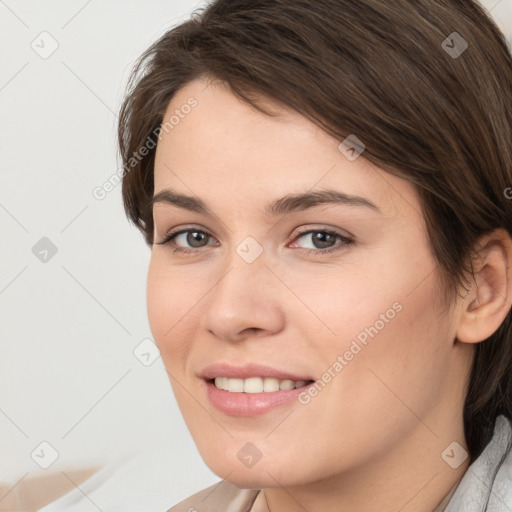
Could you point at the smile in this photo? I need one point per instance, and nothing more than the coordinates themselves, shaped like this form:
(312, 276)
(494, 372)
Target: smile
(257, 384)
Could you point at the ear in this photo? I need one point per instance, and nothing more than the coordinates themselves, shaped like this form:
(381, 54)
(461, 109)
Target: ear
(489, 298)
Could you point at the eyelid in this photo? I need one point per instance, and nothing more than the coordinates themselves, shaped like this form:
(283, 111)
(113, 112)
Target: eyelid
(297, 232)
(184, 229)
(322, 227)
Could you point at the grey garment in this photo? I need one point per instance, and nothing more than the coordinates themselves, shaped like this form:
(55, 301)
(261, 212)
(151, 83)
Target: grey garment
(485, 487)
(487, 484)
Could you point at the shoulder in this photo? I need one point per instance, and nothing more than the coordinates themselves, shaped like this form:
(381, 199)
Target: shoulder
(220, 497)
(487, 483)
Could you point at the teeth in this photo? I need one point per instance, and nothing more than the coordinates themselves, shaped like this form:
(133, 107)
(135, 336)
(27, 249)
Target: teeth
(252, 385)
(287, 384)
(270, 384)
(257, 384)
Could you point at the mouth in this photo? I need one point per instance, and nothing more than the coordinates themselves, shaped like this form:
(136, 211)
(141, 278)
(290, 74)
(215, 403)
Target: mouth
(244, 397)
(257, 384)
(251, 390)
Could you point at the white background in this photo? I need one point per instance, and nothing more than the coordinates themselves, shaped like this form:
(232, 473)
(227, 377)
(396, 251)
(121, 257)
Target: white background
(68, 327)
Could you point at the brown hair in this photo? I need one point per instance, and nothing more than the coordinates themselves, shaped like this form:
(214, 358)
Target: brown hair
(387, 73)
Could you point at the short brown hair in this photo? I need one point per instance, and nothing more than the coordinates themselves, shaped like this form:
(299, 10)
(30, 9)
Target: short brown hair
(391, 73)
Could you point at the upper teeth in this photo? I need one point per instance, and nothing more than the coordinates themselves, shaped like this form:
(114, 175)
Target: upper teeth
(256, 384)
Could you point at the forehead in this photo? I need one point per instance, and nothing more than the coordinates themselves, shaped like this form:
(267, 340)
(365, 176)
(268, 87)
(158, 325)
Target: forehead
(223, 144)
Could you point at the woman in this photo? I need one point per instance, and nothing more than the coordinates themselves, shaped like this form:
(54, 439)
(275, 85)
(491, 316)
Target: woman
(326, 190)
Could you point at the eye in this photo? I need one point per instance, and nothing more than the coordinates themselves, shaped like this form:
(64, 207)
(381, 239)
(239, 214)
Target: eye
(324, 241)
(194, 237)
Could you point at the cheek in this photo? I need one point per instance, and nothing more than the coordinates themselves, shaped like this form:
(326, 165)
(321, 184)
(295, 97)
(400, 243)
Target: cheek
(394, 348)
(372, 292)
(159, 297)
(381, 313)
(170, 309)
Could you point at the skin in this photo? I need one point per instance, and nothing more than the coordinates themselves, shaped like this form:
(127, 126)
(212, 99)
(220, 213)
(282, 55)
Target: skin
(372, 439)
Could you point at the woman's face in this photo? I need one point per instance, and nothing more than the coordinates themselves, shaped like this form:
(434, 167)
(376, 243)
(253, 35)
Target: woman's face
(338, 297)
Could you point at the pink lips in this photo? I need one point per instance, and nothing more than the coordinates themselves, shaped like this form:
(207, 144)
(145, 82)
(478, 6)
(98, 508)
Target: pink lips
(249, 404)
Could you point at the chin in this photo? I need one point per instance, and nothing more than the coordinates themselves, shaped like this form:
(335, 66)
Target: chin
(260, 480)
(260, 475)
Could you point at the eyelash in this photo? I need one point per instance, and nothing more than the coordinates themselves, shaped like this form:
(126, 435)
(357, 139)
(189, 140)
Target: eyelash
(168, 240)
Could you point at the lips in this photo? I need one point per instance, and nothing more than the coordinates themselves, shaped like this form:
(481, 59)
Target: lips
(250, 370)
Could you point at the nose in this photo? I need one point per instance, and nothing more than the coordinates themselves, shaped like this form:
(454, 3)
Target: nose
(245, 302)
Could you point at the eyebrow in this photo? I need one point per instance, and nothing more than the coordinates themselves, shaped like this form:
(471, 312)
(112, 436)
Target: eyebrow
(287, 204)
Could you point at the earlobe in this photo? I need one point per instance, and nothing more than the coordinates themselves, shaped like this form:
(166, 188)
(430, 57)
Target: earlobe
(489, 298)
